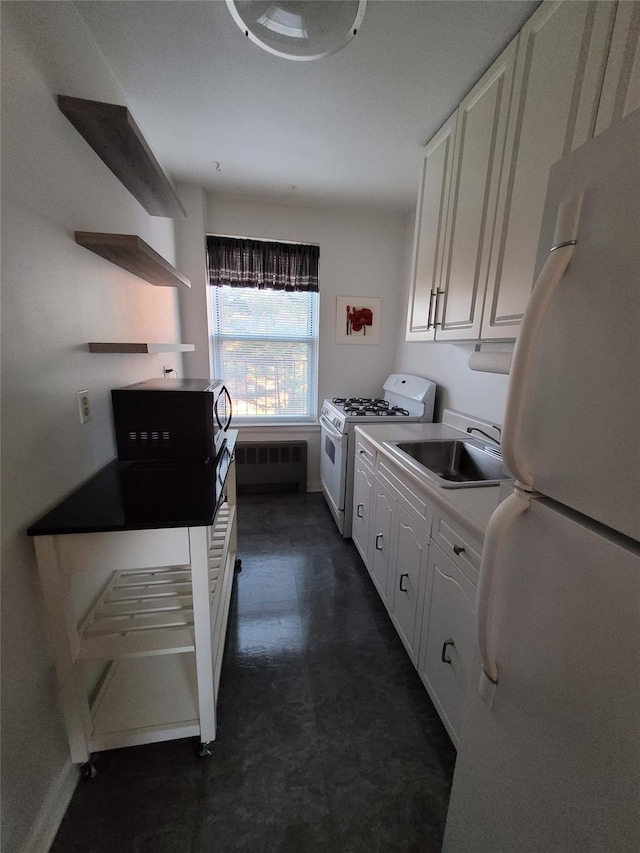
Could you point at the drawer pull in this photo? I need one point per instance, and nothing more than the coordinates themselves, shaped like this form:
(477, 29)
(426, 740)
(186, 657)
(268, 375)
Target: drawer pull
(458, 549)
(379, 538)
(362, 452)
(358, 508)
(403, 575)
(444, 657)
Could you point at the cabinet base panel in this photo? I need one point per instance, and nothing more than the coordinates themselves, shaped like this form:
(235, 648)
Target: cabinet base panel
(441, 712)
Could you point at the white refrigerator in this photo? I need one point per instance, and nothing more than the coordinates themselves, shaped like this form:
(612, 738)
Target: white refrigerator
(549, 754)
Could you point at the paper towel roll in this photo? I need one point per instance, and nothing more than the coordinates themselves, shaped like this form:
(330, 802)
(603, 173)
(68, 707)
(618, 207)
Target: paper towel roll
(490, 362)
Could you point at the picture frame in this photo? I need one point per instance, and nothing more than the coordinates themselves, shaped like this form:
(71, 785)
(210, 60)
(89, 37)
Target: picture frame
(358, 320)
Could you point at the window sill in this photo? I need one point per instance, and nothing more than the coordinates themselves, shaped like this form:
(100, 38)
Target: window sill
(280, 426)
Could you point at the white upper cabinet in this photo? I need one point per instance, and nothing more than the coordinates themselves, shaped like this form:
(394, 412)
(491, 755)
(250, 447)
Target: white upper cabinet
(572, 71)
(429, 244)
(560, 68)
(478, 153)
(621, 88)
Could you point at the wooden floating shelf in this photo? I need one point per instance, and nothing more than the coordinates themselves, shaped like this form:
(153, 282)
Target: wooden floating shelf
(143, 348)
(131, 253)
(115, 137)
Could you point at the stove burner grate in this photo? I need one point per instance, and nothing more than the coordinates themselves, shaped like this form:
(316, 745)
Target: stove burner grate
(360, 401)
(380, 411)
(367, 406)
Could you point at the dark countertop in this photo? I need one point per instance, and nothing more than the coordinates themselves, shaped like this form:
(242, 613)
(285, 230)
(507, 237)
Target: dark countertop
(141, 496)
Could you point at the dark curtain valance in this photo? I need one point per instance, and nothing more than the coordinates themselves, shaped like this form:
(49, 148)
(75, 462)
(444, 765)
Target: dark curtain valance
(262, 264)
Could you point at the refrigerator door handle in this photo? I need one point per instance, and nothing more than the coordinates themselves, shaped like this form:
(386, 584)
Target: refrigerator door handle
(488, 584)
(524, 353)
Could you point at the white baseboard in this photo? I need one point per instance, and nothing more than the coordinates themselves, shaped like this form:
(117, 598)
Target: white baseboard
(48, 820)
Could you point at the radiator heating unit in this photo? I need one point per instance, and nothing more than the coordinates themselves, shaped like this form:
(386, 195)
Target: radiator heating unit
(271, 466)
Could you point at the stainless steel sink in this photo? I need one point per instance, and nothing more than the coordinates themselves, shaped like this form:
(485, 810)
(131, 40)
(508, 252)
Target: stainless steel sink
(452, 464)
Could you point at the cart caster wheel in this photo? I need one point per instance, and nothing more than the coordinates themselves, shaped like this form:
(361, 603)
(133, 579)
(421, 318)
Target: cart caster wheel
(206, 749)
(88, 770)
(238, 565)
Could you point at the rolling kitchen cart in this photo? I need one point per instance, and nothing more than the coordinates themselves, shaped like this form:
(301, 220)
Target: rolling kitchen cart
(137, 569)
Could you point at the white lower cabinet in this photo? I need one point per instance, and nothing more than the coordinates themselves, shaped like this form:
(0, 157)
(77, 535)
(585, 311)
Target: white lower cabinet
(448, 637)
(362, 503)
(424, 565)
(383, 552)
(409, 579)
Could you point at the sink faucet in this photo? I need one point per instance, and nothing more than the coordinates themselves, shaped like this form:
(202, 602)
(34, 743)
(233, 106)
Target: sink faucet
(485, 434)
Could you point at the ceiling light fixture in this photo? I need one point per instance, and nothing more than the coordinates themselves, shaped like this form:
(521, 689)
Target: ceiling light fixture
(299, 29)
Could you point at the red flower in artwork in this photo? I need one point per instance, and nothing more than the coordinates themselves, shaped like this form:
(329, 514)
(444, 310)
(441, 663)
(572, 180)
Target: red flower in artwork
(360, 317)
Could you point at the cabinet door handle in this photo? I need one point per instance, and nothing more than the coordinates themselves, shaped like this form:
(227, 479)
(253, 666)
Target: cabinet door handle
(358, 508)
(444, 657)
(458, 549)
(379, 538)
(403, 575)
(429, 323)
(361, 452)
(436, 322)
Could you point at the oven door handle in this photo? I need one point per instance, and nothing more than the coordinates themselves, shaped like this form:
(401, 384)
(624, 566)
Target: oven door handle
(329, 427)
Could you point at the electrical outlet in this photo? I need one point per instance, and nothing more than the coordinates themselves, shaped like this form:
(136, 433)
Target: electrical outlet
(84, 406)
(166, 370)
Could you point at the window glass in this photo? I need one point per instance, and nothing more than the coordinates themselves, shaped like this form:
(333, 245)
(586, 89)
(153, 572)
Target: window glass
(264, 347)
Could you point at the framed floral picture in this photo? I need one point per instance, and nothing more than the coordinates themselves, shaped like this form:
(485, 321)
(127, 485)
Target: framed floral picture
(358, 320)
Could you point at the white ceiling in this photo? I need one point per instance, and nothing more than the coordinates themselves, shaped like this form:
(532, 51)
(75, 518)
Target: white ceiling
(345, 129)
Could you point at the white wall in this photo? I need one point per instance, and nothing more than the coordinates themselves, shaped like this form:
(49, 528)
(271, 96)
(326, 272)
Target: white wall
(192, 261)
(56, 297)
(361, 254)
(480, 394)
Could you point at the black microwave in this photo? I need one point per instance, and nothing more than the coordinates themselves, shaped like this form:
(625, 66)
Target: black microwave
(171, 420)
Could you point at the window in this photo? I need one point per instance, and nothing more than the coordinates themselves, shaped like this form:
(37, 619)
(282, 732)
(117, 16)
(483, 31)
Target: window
(264, 341)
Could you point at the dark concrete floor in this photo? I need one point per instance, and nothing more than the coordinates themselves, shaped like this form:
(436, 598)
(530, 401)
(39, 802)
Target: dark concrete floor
(327, 740)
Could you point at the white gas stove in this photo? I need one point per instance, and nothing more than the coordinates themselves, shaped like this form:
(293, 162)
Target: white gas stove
(407, 398)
